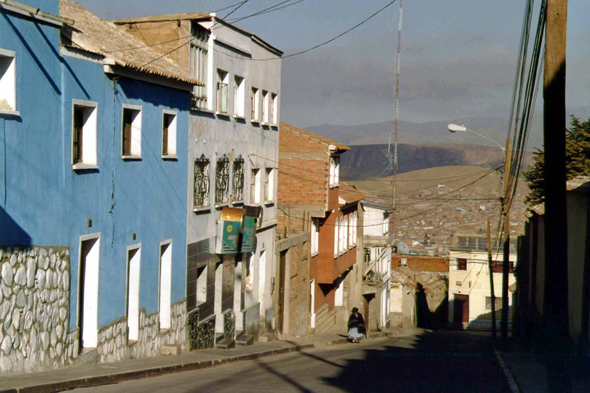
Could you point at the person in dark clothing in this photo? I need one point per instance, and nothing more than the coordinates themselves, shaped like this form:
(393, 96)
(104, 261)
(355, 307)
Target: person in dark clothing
(356, 326)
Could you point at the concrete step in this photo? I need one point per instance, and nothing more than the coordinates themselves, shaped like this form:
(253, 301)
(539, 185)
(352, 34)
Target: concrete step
(266, 337)
(245, 339)
(226, 344)
(170, 349)
(219, 337)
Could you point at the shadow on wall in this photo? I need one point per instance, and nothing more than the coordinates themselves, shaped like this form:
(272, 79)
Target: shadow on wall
(10, 232)
(484, 321)
(427, 318)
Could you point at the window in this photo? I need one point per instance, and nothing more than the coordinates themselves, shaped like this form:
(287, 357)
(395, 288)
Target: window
(351, 230)
(201, 187)
(385, 224)
(498, 267)
(334, 170)
(274, 106)
(269, 185)
(354, 228)
(222, 180)
(7, 81)
(497, 303)
(222, 92)
(336, 236)
(165, 283)
(239, 96)
(84, 135)
(202, 285)
(344, 224)
(315, 236)
(461, 264)
(238, 180)
(199, 63)
(255, 186)
(169, 134)
(264, 107)
(254, 104)
(131, 144)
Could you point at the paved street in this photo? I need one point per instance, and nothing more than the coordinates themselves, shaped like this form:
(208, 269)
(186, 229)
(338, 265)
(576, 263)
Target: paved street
(445, 361)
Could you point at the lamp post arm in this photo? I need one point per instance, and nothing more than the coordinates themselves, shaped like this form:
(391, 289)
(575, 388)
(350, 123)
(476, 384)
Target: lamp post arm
(489, 139)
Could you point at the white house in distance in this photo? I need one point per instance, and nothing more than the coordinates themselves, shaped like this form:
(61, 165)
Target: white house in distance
(469, 282)
(377, 243)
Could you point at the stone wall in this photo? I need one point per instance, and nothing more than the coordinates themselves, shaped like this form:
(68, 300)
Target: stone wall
(34, 309)
(113, 343)
(206, 333)
(229, 325)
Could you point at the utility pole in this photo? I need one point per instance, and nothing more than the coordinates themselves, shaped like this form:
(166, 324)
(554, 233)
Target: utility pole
(506, 239)
(492, 295)
(556, 279)
(555, 305)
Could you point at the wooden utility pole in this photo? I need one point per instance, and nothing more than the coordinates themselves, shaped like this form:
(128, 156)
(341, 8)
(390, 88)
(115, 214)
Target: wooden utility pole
(555, 304)
(555, 309)
(506, 239)
(492, 295)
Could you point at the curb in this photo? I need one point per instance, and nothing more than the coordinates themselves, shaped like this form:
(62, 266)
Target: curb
(147, 373)
(511, 381)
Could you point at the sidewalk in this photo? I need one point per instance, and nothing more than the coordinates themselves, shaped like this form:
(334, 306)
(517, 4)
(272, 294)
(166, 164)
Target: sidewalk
(529, 369)
(107, 373)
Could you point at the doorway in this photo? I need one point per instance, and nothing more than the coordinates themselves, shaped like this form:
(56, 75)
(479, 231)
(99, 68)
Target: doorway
(88, 292)
(133, 276)
(461, 309)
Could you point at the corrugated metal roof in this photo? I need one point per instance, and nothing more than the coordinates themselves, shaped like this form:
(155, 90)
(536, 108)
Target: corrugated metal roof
(311, 135)
(92, 34)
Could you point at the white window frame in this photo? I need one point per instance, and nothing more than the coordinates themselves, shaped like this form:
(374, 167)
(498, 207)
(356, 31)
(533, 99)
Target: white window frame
(8, 83)
(222, 100)
(254, 105)
(334, 170)
(315, 236)
(274, 108)
(269, 185)
(355, 228)
(336, 236)
(199, 63)
(385, 224)
(239, 97)
(136, 125)
(170, 152)
(255, 191)
(345, 231)
(265, 111)
(351, 230)
(89, 132)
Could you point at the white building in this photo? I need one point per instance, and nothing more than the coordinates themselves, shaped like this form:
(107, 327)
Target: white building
(469, 283)
(377, 243)
(233, 160)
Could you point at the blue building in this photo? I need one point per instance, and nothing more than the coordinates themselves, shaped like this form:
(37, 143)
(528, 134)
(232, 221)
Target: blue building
(93, 180)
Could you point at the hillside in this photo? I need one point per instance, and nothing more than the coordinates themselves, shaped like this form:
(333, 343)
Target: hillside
(365, 162)
(433, 204)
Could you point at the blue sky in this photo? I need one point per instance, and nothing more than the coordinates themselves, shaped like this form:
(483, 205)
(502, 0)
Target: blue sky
(458, 56)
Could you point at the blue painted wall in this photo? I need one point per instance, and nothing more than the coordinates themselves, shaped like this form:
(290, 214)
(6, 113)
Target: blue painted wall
(51, 204)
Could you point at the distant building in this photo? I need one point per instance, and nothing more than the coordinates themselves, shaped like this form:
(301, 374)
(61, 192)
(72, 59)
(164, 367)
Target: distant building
(469, 282)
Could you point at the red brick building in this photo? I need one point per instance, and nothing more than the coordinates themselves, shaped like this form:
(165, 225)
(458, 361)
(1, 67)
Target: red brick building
(312, 197)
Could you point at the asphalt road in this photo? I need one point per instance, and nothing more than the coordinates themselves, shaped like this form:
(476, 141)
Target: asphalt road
(444, 361)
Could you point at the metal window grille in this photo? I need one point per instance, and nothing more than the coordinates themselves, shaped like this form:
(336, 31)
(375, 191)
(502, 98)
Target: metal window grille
(201, 197)
(222, 180)
(238, 179)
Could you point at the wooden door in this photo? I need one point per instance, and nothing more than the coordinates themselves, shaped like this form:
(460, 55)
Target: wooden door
(461, 309)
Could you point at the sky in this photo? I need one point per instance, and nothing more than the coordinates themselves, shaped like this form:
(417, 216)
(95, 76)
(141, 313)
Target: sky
(458, 57)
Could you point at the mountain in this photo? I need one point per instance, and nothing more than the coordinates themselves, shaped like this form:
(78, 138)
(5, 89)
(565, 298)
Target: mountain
(369, 161)
(494, 128)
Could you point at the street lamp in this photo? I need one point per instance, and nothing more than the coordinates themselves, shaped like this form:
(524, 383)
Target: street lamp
(457, 128)
(505, 263)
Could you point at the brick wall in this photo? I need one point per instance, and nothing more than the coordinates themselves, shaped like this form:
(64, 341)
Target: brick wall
(303, 181)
